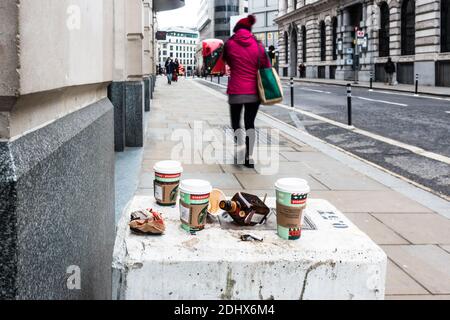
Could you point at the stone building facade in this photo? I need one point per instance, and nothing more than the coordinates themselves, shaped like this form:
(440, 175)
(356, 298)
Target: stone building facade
(75, 79)
(321, 34)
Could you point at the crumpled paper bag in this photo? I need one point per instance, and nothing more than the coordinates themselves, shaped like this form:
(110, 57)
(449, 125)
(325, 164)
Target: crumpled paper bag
(147, 221)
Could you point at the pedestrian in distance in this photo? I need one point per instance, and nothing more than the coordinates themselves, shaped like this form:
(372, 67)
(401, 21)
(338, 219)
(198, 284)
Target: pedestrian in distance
(170, 67)
(245, 55)
(302, 70)
(272, 55)
(389, 69)
(176, 71)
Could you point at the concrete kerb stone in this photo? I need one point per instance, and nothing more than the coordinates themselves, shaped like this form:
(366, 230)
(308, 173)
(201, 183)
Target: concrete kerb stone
(423, 89)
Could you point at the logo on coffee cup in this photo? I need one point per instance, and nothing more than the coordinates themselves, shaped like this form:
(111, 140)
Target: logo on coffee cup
(294, 233)
(298, 198)
(167, 176)
(199, 197)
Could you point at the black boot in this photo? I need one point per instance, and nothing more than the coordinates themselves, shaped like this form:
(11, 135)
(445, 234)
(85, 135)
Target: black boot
(249, 163)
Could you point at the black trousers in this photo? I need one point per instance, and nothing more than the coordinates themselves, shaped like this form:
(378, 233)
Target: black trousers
(251, 110)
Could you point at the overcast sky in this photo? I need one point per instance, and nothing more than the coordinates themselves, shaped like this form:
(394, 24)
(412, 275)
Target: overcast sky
(185, 16)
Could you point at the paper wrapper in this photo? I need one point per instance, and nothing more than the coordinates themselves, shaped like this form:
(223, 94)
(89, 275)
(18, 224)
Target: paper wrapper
(147, 222)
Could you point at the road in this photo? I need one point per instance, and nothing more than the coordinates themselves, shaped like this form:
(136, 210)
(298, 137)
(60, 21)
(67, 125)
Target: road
(422, 122)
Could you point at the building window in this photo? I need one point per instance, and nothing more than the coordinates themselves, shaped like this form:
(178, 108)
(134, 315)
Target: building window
(227, 8)
(222, 33)
(383, 33)
(335, 32)
(323, 41)
(286, 45)
(408, 27)
(304, 43)
(445, 26)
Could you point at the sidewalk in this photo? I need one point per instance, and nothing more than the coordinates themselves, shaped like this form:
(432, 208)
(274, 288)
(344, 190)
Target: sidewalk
(436, 91)
(416, 240)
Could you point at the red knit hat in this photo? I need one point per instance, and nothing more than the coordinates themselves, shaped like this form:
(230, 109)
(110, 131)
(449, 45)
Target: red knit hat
(246, 23)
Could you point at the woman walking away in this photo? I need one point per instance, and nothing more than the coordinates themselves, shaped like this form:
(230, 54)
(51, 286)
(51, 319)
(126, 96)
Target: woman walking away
(176, 70)
(245, 56)
(169, 70)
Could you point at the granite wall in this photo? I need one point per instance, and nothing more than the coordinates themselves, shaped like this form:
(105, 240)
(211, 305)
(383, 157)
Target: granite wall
(57, 208)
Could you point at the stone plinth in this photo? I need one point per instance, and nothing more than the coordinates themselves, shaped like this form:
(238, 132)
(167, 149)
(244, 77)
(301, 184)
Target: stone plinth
(334, 261)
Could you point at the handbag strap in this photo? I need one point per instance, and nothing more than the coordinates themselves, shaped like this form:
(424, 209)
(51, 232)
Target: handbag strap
(259, 60)
(265, 53)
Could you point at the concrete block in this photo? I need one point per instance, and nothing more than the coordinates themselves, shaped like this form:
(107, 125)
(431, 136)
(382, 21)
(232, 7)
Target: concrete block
(326, 263)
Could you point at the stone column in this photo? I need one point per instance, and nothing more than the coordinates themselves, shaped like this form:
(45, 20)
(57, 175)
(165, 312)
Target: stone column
(290, 5)
(428, 18)
(313, 52)
(134, 87)
(346, 72)
(395, 29)
(116, 90)
(147, 64)
(282, 6)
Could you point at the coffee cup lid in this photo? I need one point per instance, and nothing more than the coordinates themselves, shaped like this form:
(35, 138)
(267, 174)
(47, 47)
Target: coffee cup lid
(294, 185)
(194, 186)
(168, 167)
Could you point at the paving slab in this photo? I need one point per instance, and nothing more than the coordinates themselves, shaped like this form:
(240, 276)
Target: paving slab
(347, 181)
(217, 180)
(445, 247)
(372, 201)
(260, 192)
(251, 181)
(376, 230)
(427, 264)
(419, 228)
(398, 282)
(418, 297)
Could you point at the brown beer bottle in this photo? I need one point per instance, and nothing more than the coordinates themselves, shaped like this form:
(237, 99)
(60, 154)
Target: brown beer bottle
(245, 209)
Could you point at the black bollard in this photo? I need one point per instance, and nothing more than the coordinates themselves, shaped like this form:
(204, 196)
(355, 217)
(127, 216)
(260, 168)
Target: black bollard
(416, 91)
(292, 92)
(349, 103)
(218, 79)
(371, 81)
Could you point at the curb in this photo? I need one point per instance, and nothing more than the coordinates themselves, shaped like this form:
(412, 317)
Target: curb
(367, 87)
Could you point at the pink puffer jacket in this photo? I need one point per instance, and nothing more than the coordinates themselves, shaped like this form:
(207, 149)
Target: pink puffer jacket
(241, 54)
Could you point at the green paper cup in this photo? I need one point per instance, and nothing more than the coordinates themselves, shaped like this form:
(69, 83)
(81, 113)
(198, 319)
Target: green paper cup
(292, 194)
(167, 181)
(194, 201)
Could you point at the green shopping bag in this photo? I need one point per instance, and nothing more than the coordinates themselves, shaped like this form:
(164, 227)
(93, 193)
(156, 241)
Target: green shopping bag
(269, 85)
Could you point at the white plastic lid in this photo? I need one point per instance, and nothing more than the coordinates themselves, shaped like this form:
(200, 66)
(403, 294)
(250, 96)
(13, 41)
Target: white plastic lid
(194, 186)
(168, 167)
(292, 185)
